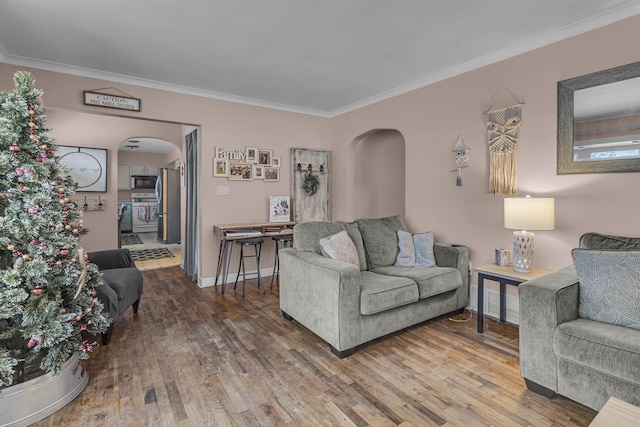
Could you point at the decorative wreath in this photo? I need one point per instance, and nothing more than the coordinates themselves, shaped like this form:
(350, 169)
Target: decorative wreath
(310, 184)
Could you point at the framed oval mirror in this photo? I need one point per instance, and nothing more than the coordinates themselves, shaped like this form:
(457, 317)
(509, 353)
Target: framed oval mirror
(599, 122)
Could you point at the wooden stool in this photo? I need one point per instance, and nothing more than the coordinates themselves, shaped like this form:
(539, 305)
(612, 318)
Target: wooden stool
(257, 246)
(285, 241)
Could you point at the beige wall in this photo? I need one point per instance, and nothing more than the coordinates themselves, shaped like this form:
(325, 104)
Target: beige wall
(428, 121)
(431, 119)
(222, 123)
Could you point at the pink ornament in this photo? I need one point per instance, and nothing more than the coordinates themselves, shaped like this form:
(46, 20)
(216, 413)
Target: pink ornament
(15, 148)
(32, 342)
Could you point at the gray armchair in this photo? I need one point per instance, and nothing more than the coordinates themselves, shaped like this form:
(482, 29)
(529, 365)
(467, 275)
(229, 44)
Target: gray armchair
(560, 352)
(122, 284)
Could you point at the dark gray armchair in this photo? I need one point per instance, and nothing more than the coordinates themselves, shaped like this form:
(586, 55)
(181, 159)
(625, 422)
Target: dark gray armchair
(122, 284)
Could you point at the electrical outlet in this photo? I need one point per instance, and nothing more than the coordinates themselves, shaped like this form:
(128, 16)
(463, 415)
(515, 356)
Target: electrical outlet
(222, 190)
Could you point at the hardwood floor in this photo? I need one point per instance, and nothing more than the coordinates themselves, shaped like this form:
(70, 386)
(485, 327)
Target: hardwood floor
(195, 357)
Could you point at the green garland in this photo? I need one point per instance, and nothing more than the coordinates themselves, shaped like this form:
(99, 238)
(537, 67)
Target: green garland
(311, 183)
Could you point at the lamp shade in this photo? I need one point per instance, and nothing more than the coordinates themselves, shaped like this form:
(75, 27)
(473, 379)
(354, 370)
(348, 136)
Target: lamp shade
(529, 213)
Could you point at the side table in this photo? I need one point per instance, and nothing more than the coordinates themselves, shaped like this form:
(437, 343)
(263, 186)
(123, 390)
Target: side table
(505, 276)
(617, 413)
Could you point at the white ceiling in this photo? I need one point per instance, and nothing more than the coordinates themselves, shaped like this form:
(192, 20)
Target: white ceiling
(321, 57)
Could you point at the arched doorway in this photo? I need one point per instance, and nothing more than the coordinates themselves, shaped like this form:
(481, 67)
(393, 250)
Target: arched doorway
(378, 174)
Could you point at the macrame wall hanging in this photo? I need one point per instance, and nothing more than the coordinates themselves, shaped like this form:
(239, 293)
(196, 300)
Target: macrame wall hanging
(503, 125)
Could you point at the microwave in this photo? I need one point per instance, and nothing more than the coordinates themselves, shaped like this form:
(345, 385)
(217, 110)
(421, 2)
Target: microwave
(143, 182)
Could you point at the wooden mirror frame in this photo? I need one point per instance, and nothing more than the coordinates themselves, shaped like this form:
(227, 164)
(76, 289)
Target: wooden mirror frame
(566, 88)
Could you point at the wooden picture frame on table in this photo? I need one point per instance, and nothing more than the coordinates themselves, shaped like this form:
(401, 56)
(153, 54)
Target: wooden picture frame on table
(220, 167)
(264, 157)
(271, 173)
(240, 172)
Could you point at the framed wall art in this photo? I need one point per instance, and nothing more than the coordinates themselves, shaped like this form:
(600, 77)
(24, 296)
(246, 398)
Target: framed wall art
(220, 167)
(279, 209)
(271, 173)
(258, 171)
(264, 157)
(240, 172)
(87, 166)
(251, 154)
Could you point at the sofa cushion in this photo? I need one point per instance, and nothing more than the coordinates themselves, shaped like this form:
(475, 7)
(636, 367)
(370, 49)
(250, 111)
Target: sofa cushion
(380, 240)
(603, 241)
(425, 256)
(415, 250)
(380, 292)
(431, 280)
(307, 235)
(596, 345)
(406, 250)
(609, 286)
(340, 247)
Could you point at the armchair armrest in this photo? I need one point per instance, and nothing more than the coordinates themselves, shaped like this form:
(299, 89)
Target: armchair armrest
(112, 258)
(322, 294)
(545, 303)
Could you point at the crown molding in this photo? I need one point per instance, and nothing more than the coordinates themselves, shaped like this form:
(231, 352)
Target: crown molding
(580, 27)
(152, 84)
(591, 23)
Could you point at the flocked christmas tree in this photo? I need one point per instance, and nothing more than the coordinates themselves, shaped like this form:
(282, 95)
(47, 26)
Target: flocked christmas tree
(47, 287)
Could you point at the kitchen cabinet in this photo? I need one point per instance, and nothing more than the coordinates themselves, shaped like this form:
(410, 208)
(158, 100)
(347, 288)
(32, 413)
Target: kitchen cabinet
(124, 177)
(142, 170)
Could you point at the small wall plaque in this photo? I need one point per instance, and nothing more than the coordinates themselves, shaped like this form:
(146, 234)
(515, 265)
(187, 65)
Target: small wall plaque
(111, 101)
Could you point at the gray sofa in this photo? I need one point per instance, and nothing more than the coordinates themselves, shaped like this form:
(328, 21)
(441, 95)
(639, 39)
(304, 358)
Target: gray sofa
(585, 360)
(348, 305)
(122, 284)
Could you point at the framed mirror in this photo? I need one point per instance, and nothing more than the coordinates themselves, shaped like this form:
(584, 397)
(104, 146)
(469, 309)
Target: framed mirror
(599, 122)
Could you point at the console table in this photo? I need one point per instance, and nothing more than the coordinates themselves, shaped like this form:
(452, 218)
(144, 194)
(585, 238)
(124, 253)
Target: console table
(227, 233)
(505, 276)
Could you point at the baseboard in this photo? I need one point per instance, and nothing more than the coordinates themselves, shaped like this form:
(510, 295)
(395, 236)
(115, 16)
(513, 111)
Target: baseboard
(492, 304)
(205, 282)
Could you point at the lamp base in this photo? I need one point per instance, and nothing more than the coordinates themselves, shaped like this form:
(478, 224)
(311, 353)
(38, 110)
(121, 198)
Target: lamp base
(523, 251)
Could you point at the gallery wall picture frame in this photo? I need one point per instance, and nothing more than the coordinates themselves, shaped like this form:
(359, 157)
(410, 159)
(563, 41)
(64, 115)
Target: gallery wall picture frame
(251, 154)
(275, 161)
(264, 157)
(271, 174)
(240, 172)
(87, 166)
(258, 171)
(220, 167)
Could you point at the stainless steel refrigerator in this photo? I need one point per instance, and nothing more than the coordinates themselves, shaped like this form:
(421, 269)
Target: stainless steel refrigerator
(168, 195)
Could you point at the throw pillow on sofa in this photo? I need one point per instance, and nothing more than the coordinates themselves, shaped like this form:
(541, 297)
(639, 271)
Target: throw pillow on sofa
(340, 247)
(415, 250)
(609, 286)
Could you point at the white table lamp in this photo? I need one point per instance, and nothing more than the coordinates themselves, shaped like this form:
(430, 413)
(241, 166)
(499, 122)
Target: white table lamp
(522, 214)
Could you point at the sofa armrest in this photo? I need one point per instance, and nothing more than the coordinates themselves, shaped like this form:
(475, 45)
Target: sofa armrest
(322, 294)
(455, 256)
(111, 258)
(545, 302)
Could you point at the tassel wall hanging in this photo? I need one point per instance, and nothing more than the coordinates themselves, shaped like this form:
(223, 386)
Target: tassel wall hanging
(502, 136)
